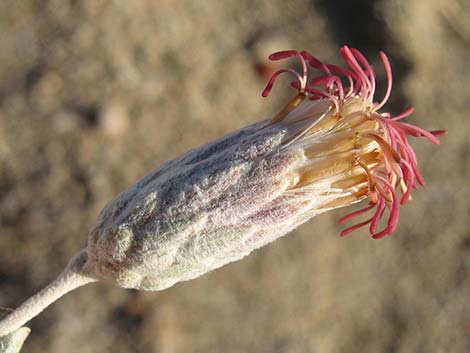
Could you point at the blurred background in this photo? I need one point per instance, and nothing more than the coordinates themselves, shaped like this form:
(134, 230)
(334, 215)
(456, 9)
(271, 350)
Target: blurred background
(96, 94)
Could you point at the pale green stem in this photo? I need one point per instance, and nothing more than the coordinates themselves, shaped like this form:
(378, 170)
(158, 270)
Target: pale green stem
(75, 275)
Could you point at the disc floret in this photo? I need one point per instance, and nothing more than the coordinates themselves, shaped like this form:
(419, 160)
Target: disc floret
(345, 86)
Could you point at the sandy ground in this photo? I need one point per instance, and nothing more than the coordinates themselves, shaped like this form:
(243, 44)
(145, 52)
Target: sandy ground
(95, 94)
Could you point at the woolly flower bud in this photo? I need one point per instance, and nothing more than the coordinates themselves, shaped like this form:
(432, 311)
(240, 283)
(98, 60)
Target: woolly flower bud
(329, 147)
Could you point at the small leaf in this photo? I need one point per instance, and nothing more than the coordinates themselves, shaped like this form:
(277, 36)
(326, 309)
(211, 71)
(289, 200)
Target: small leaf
(13, 342)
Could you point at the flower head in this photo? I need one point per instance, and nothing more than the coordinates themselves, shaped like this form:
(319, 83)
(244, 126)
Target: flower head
(353, 131)
(329, 147)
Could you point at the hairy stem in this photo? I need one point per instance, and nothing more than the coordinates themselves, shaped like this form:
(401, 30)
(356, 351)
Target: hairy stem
(75, 275)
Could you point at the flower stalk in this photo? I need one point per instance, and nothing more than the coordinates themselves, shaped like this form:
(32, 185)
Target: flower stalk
(71, 278)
